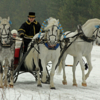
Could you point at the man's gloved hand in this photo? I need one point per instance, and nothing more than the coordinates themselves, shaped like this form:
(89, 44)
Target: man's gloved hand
(32, 44)
(22, 36)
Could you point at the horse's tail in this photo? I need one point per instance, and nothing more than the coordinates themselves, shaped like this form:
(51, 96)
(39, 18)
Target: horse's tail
(59, 68)
(29, 60)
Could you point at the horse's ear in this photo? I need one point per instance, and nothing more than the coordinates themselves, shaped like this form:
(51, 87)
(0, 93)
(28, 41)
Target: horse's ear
(0, 18)
(58, 21)
(8, 18)
(50, 18)
(79, 28)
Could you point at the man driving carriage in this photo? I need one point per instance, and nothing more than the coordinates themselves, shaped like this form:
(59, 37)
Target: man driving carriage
(28, 29)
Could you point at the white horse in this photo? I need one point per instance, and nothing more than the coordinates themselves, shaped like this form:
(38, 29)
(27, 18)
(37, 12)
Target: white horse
(47, 49)
(80, 48)
(7, 47)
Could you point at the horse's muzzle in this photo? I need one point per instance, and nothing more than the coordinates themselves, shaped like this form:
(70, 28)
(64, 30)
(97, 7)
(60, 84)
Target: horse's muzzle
(52, 43)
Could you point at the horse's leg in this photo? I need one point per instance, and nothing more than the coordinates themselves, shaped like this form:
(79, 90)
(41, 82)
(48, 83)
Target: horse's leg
(60, 67)
(38, 79)
(74, 69)
(52, 75)
(90, 65)
(64, 81)
(38, 72)
(5, 64)
(82, 68)
(1, 74)
(5, 71)
(11, 74)
(36, 61)
(44, 73)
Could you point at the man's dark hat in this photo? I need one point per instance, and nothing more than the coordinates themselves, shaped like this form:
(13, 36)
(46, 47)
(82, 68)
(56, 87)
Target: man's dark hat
(31, 14)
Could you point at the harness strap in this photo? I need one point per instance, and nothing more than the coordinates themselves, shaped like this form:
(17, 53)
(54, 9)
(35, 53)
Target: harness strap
(37, 50)
(87, 39)
(63, 51)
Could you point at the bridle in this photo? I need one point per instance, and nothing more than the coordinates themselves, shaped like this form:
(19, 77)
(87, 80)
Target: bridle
(89, 39)
(97, 29)
(7, 35)
(52, 33)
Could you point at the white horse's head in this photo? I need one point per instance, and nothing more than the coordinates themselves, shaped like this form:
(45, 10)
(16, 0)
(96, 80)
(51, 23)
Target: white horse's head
(52, 31)
(4, 30)
(92, 28)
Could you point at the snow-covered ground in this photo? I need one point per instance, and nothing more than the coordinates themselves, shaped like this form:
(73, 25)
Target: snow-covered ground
(26, 88)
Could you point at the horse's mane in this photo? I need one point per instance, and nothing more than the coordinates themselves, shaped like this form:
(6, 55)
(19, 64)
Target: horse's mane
(51, 21)
(91, 20)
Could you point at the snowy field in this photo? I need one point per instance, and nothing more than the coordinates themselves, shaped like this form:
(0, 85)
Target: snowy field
(26, 88)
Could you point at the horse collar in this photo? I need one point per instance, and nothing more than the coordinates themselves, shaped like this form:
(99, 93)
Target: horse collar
(51, 47)
(87, 39)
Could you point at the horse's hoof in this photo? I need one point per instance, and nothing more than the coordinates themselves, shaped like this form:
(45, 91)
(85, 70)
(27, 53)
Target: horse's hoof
(2, 86)
(6, 85)
(74, 84)
(39, 85)
(64, 83)
(52, 88)
(10, 85)
(84, 84)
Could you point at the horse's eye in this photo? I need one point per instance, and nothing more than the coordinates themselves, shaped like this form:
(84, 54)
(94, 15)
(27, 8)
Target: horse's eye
(48, 31)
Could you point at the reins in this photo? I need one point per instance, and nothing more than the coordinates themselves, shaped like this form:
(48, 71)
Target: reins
(85, 38)
(65, 48)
